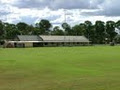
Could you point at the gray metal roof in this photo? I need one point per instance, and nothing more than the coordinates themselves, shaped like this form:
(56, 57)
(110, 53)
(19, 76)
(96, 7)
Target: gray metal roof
(64, 38)
(29, 38)
(45, 38)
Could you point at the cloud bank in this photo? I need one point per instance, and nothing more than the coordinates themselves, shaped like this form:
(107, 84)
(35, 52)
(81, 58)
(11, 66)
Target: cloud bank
(31, 11)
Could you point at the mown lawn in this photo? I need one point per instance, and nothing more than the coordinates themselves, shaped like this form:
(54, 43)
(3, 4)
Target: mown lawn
(60, 68)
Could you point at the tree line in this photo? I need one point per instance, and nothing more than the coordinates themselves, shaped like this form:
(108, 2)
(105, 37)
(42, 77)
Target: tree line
(98, 33)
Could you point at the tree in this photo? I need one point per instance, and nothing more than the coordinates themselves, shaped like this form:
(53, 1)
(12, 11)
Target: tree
(22, 27)
(110, 29)
(83, 27)
(1, 30)
(77, 30)
(89, 30)
(100, 31)
(67, 28)
(11, 31)
(57, 31)
(44, 26)
(118, 24)
(88, 26)
(30, 29)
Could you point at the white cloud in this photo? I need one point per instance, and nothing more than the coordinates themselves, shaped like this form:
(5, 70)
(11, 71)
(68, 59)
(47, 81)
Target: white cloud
(31, 11)
(7, 1)
(57, 4)
(108, 8)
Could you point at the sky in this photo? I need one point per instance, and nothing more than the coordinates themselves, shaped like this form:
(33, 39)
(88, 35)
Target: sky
(57, 11)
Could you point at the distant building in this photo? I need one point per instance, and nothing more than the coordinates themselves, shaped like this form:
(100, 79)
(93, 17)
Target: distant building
(44, 40)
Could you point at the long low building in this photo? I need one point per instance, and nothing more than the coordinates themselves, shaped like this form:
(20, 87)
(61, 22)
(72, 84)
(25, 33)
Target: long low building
(44, 40)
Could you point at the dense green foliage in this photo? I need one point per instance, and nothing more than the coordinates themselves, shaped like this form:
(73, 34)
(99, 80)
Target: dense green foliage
(97, 33)
(62, 68)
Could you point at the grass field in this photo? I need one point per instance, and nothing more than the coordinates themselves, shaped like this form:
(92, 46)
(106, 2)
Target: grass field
(62, 68)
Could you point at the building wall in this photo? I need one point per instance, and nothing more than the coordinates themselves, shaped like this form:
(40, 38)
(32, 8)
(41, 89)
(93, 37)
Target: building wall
(28, 44)
(46, 44)
(66, 44)
(8, 45)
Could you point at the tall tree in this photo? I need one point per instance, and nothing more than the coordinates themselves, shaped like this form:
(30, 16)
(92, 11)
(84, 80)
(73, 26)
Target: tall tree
(30, 29)
(110, 29)
(22, 27)
(77, 30)
(118, 24)
(1, 30)
(44, 26)
(67, 28)
(57, 31)
(11, 31)
(88, 29)
(100, 31)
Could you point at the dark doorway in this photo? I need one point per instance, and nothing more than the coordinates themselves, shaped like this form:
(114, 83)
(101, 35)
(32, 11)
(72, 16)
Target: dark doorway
(37, 44)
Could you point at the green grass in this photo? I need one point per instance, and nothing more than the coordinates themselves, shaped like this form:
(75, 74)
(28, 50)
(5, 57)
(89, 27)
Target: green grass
(60, 68)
